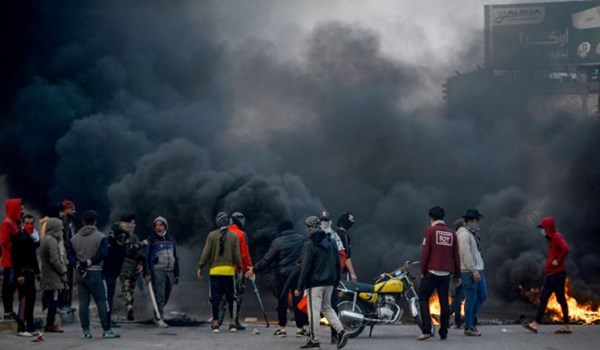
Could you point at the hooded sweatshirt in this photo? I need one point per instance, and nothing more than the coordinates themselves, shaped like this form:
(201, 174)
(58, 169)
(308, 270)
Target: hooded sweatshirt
(53, 256)
(558, 248)
(162, 251)
(88, 244)
(8, 229)
(320, 263)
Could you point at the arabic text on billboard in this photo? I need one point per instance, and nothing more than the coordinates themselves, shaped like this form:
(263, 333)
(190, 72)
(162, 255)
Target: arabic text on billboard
(543, 34)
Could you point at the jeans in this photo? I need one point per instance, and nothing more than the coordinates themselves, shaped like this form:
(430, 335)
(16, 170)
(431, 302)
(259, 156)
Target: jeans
(92, 285)
(455, 307)
(9, 286)
(441, 284)
(162, 284)
(26, 303)
(111, 285)
(475, 295)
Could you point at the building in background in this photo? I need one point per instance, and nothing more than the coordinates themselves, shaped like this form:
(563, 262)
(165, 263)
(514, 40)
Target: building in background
(543, 56)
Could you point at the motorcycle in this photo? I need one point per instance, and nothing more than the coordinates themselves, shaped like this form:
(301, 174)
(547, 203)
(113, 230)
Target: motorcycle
(363, 304)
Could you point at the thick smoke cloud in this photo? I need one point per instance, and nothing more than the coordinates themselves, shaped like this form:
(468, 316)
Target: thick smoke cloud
(159, 109)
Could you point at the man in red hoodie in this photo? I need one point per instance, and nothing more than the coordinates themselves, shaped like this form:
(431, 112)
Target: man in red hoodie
(556, 275)
(9, 228)
(237, 224)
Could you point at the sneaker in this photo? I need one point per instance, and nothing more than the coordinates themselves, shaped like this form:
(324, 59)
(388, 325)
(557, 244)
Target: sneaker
(10, 316)
(161, 324)
(232, 327)
(110, 335)
(215, 326)
(424, 336)
(301, 332)
(87, 335)
(342, 339)
(280, 333)
(239, 326)
(472, 332)
(25, 334)
(130, 313)
(53, 329)
(311, 345)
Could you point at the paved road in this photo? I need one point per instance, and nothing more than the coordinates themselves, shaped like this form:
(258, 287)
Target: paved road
(139, 336)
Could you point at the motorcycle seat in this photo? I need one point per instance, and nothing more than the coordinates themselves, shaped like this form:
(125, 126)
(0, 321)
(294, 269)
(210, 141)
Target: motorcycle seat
(358, 287)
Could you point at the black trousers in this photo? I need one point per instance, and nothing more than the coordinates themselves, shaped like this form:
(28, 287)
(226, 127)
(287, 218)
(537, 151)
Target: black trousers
(553, 284)
(429, 284)
(26, 303)
(50, 298)
(222, 286)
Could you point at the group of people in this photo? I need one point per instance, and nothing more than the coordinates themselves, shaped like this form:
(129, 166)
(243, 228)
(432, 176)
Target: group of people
(60, 257)
(307, 265)
(310, 264)
(456, 254)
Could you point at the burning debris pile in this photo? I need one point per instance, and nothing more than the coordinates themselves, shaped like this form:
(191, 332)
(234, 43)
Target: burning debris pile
(578, 313)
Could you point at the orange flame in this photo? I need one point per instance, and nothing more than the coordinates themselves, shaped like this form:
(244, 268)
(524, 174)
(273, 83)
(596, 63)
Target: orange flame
(577, 312)
(434, 308)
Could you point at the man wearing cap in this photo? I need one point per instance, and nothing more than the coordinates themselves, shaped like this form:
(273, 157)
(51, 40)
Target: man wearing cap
(319, 273)
(556, 275)
(162, 266)
(471, 267)
(221, 253)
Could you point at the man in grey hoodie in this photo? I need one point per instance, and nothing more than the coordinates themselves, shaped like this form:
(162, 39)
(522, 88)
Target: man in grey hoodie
(86, 253)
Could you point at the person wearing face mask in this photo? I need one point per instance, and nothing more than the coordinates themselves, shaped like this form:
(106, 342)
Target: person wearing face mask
(133, 263)
(471, 267)
(326, 227)
(26, 270)
(556, 275)
(344, 223)
(162, 266)
(221, 253)
(117, 240)
(9, 229)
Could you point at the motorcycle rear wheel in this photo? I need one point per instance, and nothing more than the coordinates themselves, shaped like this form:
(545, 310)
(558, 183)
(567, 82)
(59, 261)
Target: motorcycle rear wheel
(353, 328)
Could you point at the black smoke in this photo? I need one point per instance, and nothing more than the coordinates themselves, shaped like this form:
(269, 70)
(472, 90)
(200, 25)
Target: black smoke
(154, 108)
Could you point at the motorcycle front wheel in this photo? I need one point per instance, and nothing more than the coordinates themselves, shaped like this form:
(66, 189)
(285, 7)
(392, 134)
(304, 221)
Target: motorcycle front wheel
(354, 328)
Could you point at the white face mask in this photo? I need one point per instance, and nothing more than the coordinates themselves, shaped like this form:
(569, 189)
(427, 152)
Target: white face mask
(542, 232)
(325, 226)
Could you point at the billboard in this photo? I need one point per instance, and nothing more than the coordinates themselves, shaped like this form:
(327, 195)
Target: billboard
(542, 34)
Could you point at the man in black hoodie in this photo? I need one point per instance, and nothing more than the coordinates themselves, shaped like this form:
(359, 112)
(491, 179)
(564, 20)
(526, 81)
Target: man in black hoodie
(319, 274)
(284, 252)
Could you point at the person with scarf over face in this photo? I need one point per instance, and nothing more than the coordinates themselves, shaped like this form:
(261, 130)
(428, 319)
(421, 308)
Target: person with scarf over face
(26, 269)
(471, 267)
(319, 273)
(162, 266)
(9, 229)
(344, 223)
(556, 275)
(221, 253)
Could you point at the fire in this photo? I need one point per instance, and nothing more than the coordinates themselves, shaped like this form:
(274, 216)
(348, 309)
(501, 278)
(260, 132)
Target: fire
(577, 312)
(434, 308)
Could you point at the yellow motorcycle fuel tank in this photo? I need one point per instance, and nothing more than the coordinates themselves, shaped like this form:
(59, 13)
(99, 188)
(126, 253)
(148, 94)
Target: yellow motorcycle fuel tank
(390, 286)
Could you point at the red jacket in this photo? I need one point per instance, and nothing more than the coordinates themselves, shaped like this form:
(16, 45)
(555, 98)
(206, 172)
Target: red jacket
(8, 229)
(558, 249)
(440, 250)
(244, 250)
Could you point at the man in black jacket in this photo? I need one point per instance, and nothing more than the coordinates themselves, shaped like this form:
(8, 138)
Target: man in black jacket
(24, 261)
(284, 252)
(319, 274)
